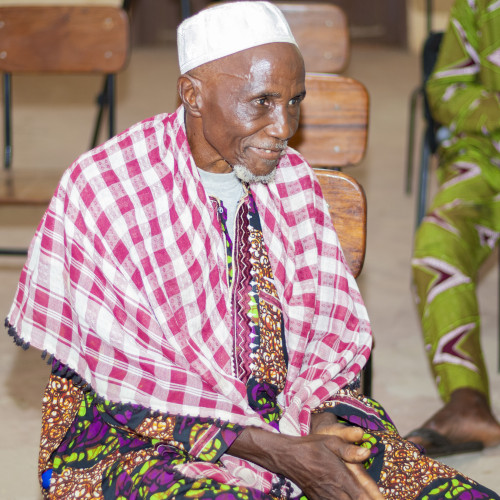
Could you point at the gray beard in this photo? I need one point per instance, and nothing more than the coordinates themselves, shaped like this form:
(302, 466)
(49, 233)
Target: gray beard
(245, 175)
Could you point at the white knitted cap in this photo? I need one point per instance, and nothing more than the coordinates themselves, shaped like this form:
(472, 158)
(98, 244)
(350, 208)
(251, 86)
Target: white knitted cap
(228, 28)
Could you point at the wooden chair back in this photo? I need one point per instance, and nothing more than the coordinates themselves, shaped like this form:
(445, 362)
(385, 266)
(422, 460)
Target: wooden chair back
(347, 206)
(334, 117)
(65, 39)
(92, 39)
(322, 33)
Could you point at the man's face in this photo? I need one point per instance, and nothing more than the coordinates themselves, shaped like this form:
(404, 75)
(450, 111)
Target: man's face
(251, 107)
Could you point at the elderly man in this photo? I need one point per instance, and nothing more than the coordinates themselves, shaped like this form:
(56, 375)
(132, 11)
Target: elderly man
(204, 331)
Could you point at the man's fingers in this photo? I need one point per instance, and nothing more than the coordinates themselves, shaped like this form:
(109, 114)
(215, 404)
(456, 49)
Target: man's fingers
(347, 433)
(354, 454)
(366, 482)
(350, 435)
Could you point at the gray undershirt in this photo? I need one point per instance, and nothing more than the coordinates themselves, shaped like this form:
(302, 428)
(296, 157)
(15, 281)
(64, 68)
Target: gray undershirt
(226, 188)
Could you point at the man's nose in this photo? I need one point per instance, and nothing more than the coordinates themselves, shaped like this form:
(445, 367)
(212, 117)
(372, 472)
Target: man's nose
(284, 124)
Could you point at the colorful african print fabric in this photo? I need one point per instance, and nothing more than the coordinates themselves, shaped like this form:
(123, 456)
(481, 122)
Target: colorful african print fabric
(106, 452)
(462, 225)
(110, 451)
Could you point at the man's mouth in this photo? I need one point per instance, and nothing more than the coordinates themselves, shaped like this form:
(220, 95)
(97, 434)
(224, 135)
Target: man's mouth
(273, 153)
(268, 154)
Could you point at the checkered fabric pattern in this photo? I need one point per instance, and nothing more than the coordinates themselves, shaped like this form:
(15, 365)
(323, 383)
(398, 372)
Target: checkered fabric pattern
(125, 282)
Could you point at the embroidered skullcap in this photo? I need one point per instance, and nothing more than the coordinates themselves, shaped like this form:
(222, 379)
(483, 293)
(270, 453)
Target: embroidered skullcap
(227, 28)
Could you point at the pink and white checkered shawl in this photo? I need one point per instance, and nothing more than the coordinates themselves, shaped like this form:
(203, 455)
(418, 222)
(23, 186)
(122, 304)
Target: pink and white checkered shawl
(125, 282)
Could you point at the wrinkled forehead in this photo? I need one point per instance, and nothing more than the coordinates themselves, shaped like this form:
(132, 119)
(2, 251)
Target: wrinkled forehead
(227, 29)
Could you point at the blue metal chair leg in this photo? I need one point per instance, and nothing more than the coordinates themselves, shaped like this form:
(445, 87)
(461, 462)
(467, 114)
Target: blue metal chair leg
(110, 86)
(7, 101)
(105, 100)
(185, 8)
(101, 102)
(411, 139)
(367, 378)
(423, 178)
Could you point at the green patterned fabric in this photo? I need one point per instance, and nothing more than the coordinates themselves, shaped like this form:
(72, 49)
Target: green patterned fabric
(462, 224)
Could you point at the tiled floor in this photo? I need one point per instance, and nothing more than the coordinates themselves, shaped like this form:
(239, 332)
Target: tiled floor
(53, 122)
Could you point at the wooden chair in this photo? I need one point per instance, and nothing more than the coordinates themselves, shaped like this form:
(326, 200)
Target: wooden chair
(322, 33)
(55, 39)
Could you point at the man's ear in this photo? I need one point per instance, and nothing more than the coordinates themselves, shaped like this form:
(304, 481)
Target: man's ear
(190, 94)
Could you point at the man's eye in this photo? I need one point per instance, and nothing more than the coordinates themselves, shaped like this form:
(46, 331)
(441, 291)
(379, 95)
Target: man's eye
(262, 101)
(295, 100)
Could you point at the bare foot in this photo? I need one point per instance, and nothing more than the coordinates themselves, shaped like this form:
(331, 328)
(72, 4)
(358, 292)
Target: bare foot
(466, 417)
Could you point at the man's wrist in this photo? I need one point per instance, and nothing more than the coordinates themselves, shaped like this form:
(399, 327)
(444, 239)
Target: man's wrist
(262, 447)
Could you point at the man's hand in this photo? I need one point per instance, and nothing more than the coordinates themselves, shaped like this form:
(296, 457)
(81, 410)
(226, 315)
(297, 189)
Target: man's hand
(324, 465)
(326, 423)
